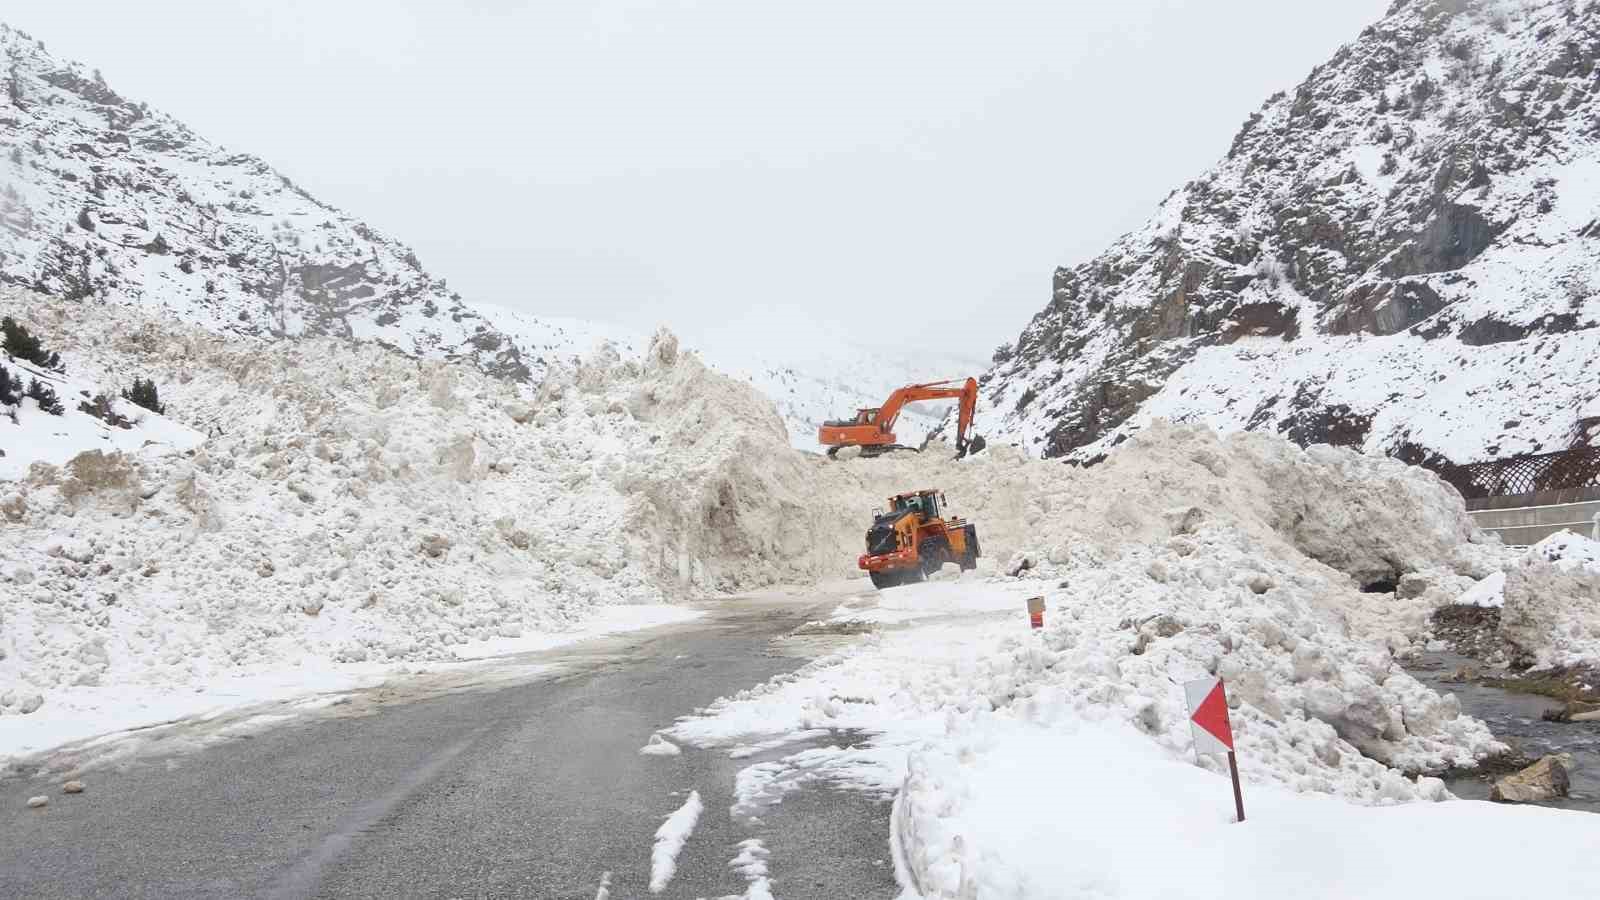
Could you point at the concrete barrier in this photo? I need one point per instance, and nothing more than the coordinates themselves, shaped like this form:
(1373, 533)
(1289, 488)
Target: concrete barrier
(1529, 525)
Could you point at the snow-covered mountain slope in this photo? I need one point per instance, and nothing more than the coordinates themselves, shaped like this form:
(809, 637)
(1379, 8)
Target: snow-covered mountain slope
(105, 198)
(93, 417)
(1399, 255)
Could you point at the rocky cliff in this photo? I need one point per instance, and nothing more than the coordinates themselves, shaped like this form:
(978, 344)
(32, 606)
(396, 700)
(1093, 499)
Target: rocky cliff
(1401, 254)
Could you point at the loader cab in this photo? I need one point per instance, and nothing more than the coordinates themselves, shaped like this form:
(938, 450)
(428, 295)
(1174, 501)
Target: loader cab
(924, 502)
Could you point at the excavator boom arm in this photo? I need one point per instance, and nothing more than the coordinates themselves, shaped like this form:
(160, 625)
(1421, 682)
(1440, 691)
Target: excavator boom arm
(875, 427)
(934, 390)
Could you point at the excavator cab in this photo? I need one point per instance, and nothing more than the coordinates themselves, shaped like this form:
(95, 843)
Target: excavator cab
(863, 417)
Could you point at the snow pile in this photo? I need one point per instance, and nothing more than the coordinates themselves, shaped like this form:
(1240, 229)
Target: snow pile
(1182, 555)
(1551, 611)
(355, 505)
(1548, 595)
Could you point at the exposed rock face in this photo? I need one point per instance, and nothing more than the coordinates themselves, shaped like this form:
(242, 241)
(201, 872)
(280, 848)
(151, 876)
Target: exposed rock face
(1546, 779)
(105, 199)
(1398, 255)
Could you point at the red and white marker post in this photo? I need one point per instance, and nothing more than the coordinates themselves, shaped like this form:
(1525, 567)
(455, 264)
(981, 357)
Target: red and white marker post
(1036, 612)
(1213, 733)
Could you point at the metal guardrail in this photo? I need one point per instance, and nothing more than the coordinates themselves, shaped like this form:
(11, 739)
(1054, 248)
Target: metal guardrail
(1576, 468)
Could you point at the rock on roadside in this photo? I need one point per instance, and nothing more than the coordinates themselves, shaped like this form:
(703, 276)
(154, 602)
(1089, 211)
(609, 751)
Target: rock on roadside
(1546, 779)
(72, 787)
(37, 802)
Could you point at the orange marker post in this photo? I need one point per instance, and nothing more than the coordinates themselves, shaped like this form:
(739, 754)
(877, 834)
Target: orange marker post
(1036, 612)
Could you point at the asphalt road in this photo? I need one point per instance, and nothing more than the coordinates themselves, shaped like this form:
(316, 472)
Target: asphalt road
(526, 789)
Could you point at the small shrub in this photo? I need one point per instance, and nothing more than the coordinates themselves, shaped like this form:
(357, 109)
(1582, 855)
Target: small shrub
(45, 396)
(102, 408)
(144, 393)
(84, 222)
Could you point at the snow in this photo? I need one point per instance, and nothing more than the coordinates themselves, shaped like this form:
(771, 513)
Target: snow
(1551, 613)
(751, 863)
(118, 713)
(1097, 810)
(36, 436)
(1568, 551)
(1490, 592)
(670, 838)
(659, 746)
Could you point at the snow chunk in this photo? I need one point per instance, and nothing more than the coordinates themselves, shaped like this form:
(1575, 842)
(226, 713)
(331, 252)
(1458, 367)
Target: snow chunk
(660, 746)
(670, 838)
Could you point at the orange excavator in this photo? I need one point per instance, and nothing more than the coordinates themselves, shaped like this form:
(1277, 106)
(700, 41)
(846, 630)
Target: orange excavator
(873, 429)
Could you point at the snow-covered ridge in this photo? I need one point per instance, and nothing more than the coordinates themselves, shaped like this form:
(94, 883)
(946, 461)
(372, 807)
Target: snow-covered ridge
(108, 199)
(1397, 255)
(105, 198)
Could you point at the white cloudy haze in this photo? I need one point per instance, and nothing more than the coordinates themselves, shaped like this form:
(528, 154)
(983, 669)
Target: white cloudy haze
(908, 172)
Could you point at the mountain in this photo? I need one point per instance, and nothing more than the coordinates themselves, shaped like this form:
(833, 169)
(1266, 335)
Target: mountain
(106, 199)
(1400, 255)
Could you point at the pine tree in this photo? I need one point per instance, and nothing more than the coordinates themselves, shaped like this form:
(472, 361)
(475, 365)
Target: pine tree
(143, 393)
(18, 342)
(45, 396)
(10, 388)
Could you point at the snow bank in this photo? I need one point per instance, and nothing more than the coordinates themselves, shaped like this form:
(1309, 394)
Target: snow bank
(1095, 811)
(354, 505)
(1551, 610)
(1549, 597)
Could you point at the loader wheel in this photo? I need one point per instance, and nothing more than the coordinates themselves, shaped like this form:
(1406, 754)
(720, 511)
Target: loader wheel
(933, 554)
(881, 580)
(970, 560)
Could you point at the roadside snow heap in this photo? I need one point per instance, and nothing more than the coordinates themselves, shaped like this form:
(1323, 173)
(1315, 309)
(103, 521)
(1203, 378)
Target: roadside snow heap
(353, 504)
(1549, 602)
(1058, 763)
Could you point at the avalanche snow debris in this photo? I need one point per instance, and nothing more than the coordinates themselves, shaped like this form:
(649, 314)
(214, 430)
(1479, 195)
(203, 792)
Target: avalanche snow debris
(651, 479)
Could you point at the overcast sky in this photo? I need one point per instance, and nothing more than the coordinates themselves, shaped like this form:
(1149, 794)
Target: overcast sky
(908, 172)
